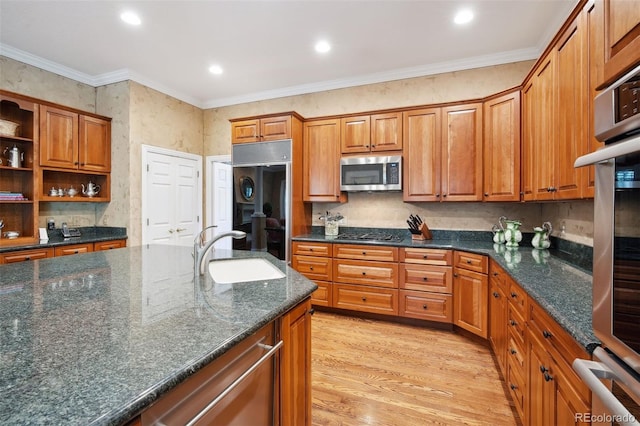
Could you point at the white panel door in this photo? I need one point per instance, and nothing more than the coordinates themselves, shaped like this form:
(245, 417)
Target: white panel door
(171, 204)
(222, 187)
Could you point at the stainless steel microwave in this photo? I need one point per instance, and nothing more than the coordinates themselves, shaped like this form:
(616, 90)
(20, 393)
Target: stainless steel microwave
(371, 173)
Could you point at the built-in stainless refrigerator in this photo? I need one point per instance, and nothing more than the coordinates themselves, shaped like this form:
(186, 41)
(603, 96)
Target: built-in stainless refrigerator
(262, 196)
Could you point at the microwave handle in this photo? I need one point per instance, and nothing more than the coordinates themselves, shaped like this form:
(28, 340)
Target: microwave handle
(591, 372)
(618, 149)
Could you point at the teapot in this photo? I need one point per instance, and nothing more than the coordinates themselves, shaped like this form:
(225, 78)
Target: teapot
(91, 190)
(512, 234)
(14, 156)
(72, 192)
(541, 236)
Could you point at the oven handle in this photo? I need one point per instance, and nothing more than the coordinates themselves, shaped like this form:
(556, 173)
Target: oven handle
(618, 149)
(591, 372)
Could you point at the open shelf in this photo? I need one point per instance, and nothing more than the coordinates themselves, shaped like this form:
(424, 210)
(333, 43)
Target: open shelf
(52, 178)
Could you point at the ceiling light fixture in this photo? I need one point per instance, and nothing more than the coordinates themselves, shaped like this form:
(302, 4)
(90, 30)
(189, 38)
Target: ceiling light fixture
(215, 69)
(322, 46)
(130, 18)
(463, 16)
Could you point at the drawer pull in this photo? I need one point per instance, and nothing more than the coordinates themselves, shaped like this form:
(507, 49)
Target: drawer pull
(513, 387)
(364, 273)
(425, 279)
(364, 299)
(546, 334)
(425, 256)
(513, 351)
(543, 369)
(547, 377)
(311, 268)
(513, 323)
(27, 258)
(364, 253)
(514, 295)
(75, 252)
(311, 249)
(424, 306)
(495, 274)
(496, 294)
(469, 261)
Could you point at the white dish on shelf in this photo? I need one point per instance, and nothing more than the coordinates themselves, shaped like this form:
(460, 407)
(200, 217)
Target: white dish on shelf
(11, 235)
(8, 128)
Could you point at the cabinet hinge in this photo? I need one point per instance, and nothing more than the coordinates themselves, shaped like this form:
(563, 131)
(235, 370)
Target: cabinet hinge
(147, 221)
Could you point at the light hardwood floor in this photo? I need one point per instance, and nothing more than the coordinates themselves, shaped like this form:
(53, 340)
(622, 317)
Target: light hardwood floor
(368, 372)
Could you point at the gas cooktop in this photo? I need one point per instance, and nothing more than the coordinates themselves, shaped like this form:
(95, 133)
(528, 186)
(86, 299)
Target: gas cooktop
(368, 236)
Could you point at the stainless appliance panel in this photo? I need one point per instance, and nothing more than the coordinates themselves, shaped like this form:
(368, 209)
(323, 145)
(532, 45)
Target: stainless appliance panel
(617, 109)
(261, 153)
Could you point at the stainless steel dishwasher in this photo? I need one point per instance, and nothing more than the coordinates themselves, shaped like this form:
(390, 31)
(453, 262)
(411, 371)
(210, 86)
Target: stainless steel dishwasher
(238, 388)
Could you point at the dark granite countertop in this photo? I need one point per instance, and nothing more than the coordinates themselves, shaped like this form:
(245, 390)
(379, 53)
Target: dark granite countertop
(88, 234)
(95, 338)
(561, 288)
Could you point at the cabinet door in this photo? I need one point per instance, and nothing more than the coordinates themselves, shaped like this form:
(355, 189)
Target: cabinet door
(544, 105)
(421, 154)
(321, 161)
(470, 292)
(570, 86)
(461, 162)
(355, 134)
(275, 128)
(622, 37)
(527, 160)
(498, 323)
(296, 366)
(94, 149)
(58, 138)
(502, 148)
(541, 386)
(245, 131)
(386, 132)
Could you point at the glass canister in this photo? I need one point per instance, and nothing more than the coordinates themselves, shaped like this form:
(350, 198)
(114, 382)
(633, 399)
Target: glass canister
(331, 223)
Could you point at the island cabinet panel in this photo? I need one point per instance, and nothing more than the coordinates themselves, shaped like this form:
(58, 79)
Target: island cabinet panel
(321, 140)
(296, 366)
(502, 148)
(622, 38)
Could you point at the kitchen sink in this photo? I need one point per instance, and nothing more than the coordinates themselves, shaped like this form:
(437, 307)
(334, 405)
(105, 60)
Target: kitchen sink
(243, 270)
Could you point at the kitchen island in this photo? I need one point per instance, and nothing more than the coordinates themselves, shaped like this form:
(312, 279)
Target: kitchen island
(98, 337)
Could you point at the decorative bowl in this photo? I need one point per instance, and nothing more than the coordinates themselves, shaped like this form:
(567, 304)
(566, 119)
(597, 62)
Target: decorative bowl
(8, 128)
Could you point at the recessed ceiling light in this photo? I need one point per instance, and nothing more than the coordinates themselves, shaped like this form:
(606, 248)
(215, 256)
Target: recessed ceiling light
(463, 16)
(215, 69)
(322, 46)
(130, 18)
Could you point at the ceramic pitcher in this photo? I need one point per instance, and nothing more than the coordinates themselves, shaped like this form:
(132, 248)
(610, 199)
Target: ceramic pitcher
(498, 234)
(512, 234)
(541, 236)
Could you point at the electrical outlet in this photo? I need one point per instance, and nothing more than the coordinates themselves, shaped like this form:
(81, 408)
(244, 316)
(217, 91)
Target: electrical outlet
(105, 220)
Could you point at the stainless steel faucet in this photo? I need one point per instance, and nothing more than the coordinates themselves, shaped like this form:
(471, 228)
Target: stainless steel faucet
(201, 248)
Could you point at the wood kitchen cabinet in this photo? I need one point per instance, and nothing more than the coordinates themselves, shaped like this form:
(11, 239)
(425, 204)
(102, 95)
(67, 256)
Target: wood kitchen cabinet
(24, 255)
(73, 249)
(501, 165)
(371, 133)
(461, 162)
(498, 313)
(365, 278)
(69, 140)
(296, 366)
(321, 161)
(313, 260)
(109, 245)
(421, 154)
(470, 292)
(426, 284)
(261, 129)
(621, 38)
(19, 214)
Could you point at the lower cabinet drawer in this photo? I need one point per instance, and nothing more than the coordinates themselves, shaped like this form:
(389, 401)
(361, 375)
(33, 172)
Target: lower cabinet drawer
(312, 267)
(322, 296)
(109, 245)
(516, 354)
(427, 306)
(436, 279)
(73, 249)
(22, 255)
(382, 274)
(516, 384)
(365, 299)
(516, 324)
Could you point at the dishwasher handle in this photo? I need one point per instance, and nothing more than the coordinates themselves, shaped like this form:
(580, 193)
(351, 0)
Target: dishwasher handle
(591, 372)
(272, 350)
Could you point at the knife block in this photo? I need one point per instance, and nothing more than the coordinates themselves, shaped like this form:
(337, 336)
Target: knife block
(425, 232)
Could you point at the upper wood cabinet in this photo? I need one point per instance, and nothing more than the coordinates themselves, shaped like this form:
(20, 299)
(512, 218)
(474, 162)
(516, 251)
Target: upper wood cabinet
(371, 133)
(321, 161)
(461, 162)
(502, 148)
(261, 129)
(621, 38)
(69, 140)
(421, 154)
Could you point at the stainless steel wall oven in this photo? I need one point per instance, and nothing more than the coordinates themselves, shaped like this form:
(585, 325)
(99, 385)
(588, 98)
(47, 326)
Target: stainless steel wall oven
(614, 376)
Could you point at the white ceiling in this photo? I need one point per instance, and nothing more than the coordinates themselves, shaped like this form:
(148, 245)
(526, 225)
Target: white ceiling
(266, 47)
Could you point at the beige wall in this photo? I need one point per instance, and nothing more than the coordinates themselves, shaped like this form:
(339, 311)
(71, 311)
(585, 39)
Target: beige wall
(145, 116)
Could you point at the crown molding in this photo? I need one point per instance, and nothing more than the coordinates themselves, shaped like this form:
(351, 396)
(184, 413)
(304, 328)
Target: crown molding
(398, 74)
